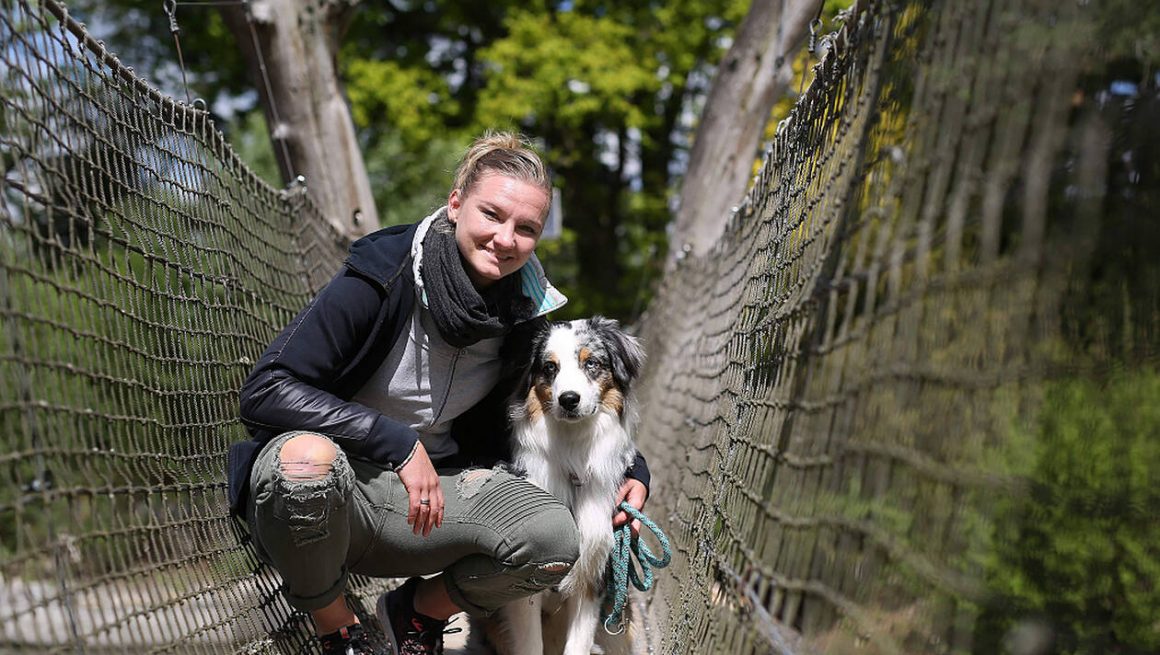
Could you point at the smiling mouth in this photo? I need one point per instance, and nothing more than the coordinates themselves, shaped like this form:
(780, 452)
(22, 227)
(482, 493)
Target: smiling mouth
(494, 255)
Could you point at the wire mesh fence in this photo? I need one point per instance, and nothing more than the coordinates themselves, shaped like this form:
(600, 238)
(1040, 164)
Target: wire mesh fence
(900, 406)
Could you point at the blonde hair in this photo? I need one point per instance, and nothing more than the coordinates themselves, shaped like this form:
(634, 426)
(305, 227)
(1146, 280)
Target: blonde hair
(505, 153)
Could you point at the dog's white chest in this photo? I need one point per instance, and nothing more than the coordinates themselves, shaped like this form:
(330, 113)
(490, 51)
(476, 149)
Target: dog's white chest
(577, 479)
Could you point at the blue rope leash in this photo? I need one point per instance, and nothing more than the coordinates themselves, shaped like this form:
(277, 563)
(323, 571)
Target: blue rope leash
(623, 571)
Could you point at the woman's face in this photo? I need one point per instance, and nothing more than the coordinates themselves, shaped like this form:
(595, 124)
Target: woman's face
(497, 225)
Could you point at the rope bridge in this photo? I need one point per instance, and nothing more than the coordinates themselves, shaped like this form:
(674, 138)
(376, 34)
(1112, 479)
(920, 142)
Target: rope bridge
(848, 403)
(144, 268)
(896, 408)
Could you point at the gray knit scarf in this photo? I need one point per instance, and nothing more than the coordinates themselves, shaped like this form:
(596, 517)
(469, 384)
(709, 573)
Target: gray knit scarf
(462, 314)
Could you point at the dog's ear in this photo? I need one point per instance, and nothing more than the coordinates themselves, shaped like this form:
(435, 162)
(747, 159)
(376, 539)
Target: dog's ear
(627, 353)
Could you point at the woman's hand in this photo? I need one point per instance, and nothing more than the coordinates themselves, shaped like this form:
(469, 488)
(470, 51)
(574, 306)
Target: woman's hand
(635, 493)
(422, 483)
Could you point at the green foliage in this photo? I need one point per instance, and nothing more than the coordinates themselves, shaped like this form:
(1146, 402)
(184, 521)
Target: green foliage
(251, 140)
(64, 395)
(408, 183)
(417, 100)
(565, 70)
(600, 87)
(139, 34)
(1130, 29)
(1081, 550)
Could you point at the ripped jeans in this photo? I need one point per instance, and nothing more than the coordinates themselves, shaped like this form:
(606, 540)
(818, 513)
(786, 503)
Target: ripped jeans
(502, 537)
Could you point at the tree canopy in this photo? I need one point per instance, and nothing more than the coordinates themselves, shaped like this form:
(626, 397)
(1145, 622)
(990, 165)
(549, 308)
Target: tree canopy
(609, 91)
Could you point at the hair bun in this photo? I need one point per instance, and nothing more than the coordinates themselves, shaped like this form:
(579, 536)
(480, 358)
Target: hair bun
(506, 153)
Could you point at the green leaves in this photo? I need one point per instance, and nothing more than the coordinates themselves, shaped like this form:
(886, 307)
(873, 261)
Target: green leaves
(1083, 548)
(414, 102)
(565, 69)
(605, 88)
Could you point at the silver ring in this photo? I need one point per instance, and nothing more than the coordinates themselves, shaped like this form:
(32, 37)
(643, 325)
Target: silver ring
(424, 501)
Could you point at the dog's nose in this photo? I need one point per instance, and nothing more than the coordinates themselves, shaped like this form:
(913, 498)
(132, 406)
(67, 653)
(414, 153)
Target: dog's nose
(569, 400)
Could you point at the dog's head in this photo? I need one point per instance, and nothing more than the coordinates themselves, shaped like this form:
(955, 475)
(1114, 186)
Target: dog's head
(580, 368)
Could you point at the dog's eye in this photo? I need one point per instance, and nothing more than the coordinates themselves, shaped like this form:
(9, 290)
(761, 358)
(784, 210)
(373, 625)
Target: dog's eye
(592, 364)
(549, 368)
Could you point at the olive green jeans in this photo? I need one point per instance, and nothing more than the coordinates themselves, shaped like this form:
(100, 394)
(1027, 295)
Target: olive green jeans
(502, 537)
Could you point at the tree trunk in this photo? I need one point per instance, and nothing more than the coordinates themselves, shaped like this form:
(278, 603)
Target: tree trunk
(751, 78)
(594, 212)
(291, 47)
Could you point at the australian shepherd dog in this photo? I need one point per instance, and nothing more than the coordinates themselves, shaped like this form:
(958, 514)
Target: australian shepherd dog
(573, 420)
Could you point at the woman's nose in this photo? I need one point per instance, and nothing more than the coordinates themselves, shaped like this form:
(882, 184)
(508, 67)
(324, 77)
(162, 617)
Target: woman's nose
(504, 236)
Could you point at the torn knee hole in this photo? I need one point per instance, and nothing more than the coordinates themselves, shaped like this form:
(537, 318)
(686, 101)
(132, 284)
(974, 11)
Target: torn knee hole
(555, 567)
(307, 457)
(471, 481)
(305, 471)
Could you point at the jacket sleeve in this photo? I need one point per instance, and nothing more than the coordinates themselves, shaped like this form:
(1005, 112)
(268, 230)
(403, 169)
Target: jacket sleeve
(291, 387)
(639, 471)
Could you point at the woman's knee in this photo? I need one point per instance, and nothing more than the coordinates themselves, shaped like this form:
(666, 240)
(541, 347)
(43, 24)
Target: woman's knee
(551, 548)
(553, 542)
(306, 457)
(300, 493)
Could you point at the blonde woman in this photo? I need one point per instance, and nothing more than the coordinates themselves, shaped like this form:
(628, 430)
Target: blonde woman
(401, 364)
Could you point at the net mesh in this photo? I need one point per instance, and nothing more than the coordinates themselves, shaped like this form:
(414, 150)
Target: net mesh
(949, 242)
(846, 400)
(143, 268)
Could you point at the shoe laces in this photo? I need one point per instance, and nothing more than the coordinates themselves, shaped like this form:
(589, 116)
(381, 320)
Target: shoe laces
(421, 637)
(451, 631)
(353, 640)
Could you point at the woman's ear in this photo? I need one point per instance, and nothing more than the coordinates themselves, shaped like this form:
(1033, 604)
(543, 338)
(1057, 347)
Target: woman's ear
(454, 202)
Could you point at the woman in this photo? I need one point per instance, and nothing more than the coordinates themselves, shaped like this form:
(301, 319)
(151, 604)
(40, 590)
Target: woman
(402, 363)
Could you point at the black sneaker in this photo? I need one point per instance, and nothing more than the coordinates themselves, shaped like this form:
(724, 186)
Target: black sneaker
(351, 640)
(409, 632)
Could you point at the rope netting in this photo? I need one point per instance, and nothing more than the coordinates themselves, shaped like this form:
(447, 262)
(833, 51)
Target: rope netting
(143, 268)
(900, 406)
(847, 405)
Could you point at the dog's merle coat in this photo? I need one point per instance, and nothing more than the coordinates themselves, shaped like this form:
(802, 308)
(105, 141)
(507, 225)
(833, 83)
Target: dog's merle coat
(573, 421)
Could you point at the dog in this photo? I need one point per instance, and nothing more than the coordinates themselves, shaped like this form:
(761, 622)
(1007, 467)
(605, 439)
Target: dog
(573, 421)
